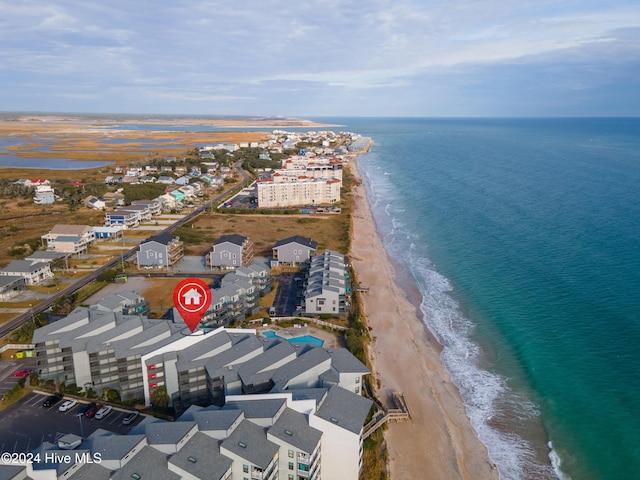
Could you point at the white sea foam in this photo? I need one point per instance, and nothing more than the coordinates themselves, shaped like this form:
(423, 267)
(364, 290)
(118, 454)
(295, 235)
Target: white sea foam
(556, 462)
(482, 391)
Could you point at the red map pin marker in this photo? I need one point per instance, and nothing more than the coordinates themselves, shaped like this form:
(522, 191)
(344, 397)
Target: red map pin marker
(191, 298)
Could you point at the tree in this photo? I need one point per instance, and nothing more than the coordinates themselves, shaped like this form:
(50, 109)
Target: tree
(33, 379)
(64, 305)
(161, 397)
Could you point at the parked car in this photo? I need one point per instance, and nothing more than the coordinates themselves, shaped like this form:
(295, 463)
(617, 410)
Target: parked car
(52, 400)
(103, 412)
(68, 405)
(22, 373)
(91, 412)
(129, 419)
(85, 408)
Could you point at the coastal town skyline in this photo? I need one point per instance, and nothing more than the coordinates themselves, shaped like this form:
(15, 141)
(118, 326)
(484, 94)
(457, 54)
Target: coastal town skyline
(373, 58)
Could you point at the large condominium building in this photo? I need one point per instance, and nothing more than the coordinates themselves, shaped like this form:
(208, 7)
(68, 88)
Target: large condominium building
(328, 288)
(302, 181)
(276, 192)
(309, 434)
(133, 355)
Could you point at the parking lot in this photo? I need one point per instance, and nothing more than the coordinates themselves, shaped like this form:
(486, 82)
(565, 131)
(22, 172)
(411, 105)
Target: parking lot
(8, 368)
(27, 424)
(288, 295)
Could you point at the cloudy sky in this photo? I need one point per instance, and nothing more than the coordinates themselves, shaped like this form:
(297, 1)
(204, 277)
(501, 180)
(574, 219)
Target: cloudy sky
(322, 57)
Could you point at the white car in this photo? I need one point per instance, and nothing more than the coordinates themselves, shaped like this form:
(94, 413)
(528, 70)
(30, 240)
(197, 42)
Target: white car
(103, 412)
(68, 405)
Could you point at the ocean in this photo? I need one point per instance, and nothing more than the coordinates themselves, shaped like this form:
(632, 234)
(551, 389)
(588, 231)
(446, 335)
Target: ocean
(523, 238)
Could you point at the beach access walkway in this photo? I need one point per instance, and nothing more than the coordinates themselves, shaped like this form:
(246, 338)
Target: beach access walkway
(399, 411)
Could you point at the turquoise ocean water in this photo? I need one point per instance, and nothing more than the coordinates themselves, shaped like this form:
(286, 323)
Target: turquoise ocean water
(523, 237)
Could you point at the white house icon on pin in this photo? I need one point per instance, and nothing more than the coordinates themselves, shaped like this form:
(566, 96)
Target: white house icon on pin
(192, 297)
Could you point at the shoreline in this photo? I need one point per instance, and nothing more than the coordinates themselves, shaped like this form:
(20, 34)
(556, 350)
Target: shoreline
(438, 441)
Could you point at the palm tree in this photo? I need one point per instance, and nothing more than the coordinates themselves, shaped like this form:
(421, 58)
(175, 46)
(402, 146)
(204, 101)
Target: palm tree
(161, 397)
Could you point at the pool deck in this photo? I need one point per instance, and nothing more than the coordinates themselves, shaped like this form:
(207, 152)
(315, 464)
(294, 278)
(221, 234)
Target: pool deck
(331, 340)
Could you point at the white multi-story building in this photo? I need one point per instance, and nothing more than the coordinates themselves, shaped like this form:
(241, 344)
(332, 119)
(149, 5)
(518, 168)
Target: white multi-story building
(280, 191)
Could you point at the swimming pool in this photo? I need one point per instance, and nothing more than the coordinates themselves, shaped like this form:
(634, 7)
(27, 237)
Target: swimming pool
(301, 339)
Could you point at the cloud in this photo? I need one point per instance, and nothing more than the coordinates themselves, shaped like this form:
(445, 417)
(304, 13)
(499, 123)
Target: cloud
(369, 49)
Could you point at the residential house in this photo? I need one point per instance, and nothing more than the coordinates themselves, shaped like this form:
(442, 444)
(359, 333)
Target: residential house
(166, 179)
(33, 272)
(160, 251)
(125, 218)
(113, 199)
(294, 250)
(10, 286)
(144, 212)
(44, 195)
(169, 202)
(153, 206)
(94, 203)
(109, 233)
(73, 239)
(259, 273)
(230, 251)
(126, 302)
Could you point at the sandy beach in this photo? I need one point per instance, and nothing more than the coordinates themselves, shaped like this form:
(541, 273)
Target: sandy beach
(439, 441)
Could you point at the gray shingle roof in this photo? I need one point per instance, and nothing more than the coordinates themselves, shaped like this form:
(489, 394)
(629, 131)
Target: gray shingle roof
(92, 471)
(201, 458)
(345, 362)
(235, 239)
(149, 464)
(306, 362)
(293, 428)
(307, 242)
(114, 447)
(345, 409)
(249, 442)
(264, 409)
(167, 433)
(216, 420)
(24, 266)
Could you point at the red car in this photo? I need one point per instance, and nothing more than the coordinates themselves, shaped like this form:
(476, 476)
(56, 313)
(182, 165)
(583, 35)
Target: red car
(22, 373)
(92, 411)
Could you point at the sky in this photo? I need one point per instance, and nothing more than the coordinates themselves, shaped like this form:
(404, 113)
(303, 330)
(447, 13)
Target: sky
(322, 57)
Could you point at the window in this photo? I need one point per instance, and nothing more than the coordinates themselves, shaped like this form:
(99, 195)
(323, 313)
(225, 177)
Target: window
(245, 468)
(357, 379)
(290, 453)
(290, 465)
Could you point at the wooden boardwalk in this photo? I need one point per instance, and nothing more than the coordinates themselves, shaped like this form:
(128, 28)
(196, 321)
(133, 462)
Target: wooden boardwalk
(399, 411)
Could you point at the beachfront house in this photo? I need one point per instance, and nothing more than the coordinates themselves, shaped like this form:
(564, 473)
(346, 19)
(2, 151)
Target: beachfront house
(230, 251)
(328, 288)
(294, 250)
